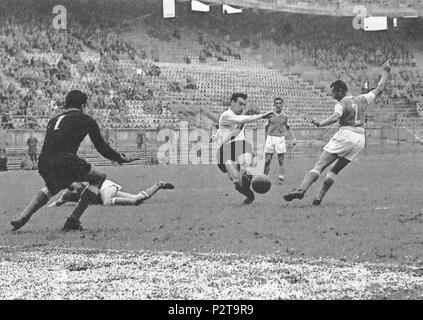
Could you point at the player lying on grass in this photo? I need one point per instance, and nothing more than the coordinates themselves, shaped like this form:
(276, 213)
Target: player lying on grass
(111, 194)
(234, 150)
(59, 165)
(347, 142)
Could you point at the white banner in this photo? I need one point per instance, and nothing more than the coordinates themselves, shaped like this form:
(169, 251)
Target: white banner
(375, 23)
(229, 10)
(169, 9)
(199, 6)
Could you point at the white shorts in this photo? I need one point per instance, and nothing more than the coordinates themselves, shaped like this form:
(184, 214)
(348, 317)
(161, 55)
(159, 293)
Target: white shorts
(275, 144)
(346, 143)
(108, 191)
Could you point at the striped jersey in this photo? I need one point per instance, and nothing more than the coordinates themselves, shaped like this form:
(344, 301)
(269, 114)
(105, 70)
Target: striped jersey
(276, 125)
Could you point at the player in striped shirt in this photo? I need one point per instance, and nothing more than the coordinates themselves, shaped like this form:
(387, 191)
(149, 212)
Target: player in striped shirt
(347, 142)
(275, 138)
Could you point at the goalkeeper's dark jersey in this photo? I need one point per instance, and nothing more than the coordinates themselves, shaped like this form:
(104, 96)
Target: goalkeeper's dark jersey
(66, 131)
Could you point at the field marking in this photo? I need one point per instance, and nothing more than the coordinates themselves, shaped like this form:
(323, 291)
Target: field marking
(59, 273)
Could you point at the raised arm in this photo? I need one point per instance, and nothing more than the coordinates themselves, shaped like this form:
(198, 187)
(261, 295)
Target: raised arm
(384, 80)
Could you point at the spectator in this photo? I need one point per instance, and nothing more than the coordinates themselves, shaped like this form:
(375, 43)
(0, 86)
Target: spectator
(32, 148)
(202, 57)
(155, 54)
(187, 60)
(3, 160)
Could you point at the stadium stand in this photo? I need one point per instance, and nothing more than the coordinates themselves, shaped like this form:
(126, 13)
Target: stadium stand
(152, 73)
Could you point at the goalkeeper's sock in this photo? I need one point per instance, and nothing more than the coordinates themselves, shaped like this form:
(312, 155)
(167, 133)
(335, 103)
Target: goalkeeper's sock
(88, 196)
(40, 199)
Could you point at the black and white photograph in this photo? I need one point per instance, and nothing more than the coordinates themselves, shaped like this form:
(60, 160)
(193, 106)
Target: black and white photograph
(215, 150)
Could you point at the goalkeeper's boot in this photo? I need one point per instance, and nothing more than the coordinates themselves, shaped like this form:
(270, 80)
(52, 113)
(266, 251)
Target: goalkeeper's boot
(72, 224)
(19, 223)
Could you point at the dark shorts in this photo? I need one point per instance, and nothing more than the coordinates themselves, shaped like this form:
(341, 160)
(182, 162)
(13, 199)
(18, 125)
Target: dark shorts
(231, 151)
(33, 156)
(61, 169)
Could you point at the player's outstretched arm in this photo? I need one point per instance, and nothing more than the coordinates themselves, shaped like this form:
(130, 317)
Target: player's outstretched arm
(331, 120)
(243, 119)
(384, 80)
(102, 146)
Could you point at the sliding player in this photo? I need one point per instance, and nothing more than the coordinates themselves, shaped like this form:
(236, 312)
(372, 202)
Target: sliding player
(234, 149)
(111, 194)
(59, 165)
(275, 138)
(347, 142)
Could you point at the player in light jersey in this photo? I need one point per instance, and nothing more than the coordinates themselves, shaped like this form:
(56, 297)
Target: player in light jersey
(275, 140)
(234, 149)
(111, 194)
(347, 142)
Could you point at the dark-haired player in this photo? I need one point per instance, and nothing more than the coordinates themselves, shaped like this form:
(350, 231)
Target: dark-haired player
(59, 165)
(275, 138)
(234, 150)
(347, 142)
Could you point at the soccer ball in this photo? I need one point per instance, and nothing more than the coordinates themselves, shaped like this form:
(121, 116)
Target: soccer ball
(261, 183)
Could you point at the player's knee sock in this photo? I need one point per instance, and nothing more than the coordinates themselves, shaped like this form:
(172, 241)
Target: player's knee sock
(246, 180)
(309, 178)
(88, 196)
(281, 171)
(141, 197)
(267, 168)
(327, 184)
(39, 201)
(122, 201)
(149, 192)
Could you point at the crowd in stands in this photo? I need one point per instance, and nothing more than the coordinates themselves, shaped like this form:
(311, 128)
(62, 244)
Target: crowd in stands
(39, 64)
(217, 50)
(380, 3)
(331, 46)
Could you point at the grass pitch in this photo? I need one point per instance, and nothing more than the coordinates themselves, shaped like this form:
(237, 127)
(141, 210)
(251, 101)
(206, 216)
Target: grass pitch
(372, 219)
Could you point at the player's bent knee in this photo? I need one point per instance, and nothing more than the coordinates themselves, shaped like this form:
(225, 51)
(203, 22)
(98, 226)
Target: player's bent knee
(237, 183)
(245, 160)
(96, 178)
(46, 192)
(108, 202)
(331, 175)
